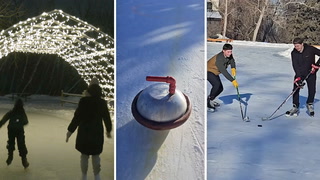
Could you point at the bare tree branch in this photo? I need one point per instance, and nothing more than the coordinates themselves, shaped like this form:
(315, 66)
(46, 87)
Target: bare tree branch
(302, 4)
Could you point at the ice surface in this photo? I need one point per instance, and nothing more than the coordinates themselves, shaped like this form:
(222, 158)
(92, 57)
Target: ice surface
(50, 157)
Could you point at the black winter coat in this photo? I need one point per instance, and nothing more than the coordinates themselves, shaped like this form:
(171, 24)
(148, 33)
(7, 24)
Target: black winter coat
(302, 62)
(88, 119)
(17, 120)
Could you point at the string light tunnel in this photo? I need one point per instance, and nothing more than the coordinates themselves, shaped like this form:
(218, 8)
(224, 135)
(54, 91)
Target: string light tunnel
(83, 46)
(161, 106)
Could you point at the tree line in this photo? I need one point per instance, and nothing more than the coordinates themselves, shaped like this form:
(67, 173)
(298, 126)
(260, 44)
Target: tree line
(276, 21)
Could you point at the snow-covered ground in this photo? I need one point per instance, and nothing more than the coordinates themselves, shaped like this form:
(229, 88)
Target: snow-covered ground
(160, 38)
(283, 148)
(50, 157)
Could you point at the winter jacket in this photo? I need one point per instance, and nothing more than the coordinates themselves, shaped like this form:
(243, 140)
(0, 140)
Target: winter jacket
(17, 119)
(219, 64)
(302, 62)
(88, 119)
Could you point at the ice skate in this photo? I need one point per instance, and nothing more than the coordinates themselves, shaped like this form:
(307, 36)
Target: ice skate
(293, 112)
(210, 108)
(310, 109)
(214, 103)
(84, 177)
(97, 177)
(9, 160)
(25, 162)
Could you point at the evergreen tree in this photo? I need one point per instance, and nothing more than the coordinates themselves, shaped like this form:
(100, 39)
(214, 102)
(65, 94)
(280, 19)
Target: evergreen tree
(302, 20)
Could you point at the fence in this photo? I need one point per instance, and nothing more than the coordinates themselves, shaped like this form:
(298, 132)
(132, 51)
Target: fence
(24, 96)
(63, 100)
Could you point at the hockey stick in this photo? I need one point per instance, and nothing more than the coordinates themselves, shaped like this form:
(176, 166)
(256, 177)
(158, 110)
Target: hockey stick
(244, 118)
(289, 96)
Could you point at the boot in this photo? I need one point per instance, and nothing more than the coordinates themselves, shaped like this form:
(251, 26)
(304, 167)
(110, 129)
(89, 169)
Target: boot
(214, 103)
(25, 162)
(97, 177)
(84, 177)
(310, 109)
(294, 111)
(210, 108)
(96, 166)
(10, 157)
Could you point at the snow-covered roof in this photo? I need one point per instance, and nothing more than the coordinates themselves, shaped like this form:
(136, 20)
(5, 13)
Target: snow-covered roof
(215, 4)
(213, 14)
(83, 46)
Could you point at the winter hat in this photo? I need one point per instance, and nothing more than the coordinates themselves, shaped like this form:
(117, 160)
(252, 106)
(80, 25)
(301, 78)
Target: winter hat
(297, 41)
(18, 105)
(227, 47)
(94, 90)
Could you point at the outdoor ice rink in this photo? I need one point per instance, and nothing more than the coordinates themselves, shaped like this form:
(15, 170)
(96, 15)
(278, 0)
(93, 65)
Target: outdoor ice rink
(50, 157)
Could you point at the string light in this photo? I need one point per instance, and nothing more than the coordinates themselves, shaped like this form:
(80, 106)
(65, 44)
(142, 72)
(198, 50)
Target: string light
(82, 45)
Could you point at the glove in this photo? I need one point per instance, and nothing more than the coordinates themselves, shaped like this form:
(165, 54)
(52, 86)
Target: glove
(233, 72)
(235, 83)
(314, 68)
(68, 136)
(299, 82)
(108, 135)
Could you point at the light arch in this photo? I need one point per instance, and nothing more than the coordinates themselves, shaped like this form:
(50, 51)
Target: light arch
(83, 46)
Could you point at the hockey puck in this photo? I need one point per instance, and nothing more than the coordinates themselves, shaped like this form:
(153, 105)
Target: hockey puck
(259, 125)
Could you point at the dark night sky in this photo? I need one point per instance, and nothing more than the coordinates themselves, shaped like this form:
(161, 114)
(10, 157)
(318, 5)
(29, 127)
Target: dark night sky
(99, 13)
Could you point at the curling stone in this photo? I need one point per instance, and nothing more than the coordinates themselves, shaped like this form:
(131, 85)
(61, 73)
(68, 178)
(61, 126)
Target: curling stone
(161, 106)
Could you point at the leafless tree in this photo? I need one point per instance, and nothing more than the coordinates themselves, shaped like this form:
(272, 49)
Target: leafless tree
(225, 19)
(258, 24)
(271, 20)
(10, 13)
(226, 8)
(242, 18)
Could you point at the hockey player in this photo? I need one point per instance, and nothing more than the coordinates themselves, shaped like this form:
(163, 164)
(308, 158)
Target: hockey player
(216, 65)
(17, 120)
(303, 62)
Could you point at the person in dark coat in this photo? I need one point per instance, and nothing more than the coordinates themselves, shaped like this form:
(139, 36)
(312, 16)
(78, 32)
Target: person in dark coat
(17, 120)
(89, 116)
(303, 63)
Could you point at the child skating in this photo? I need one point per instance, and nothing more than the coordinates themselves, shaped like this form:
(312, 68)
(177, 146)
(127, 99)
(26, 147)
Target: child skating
(17, 120)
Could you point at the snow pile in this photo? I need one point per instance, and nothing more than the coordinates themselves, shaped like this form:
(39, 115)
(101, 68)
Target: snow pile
(286, 53)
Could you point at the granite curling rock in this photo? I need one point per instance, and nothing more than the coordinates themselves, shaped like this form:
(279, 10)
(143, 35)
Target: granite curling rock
(161, 106)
